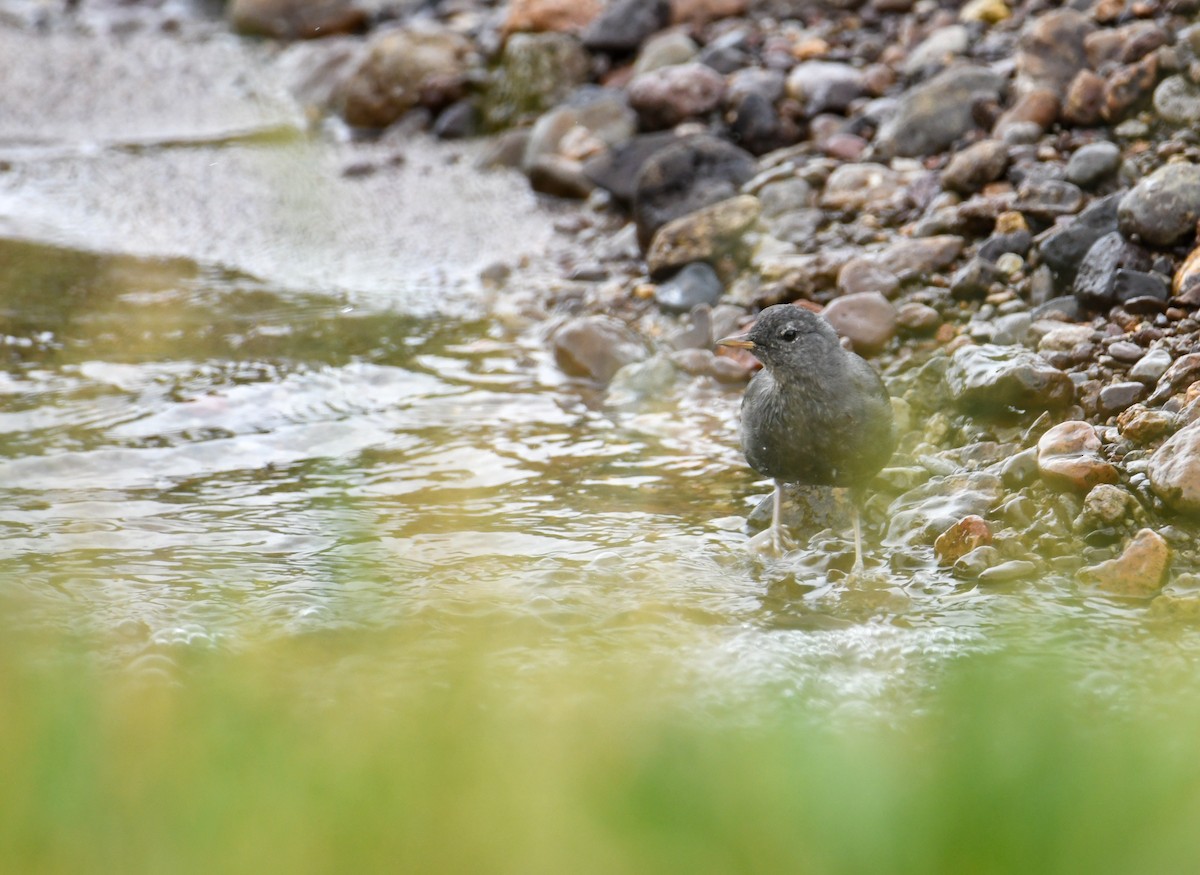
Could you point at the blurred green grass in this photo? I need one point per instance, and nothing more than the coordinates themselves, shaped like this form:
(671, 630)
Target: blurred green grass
(309, 756)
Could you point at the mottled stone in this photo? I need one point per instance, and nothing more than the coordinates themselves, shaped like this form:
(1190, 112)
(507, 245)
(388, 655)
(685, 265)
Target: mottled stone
(1128, 87)
(683, 177)
(1038, 107)
(551, 15)
(961, 538)
(1186, 283)
(1069, 457)
(402, 68)
(1177, 100)
(1182, 372)
(1084, 101)
(1174, 470)
(1052, 50)
(1064, 249)
(1139, 572)
(921, 256)
(997, 379)
(1048, 199)
(664, 97)
(1143, 425)
(1105, 505)
(595, 347)
(932, 115)
(1163, 208)
(866, 186)
(976, 166)
(866, 319)
(296, 19)
(708, 234)
(866, 274)
(536, 71)
(917, 318)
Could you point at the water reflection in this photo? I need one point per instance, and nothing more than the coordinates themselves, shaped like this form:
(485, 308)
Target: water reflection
(189, 457)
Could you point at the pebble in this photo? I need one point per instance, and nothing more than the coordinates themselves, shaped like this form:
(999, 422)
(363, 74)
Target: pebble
(708, 234)
(917, 318)
(1096, 280)
(595, 347)
(1115, 397)
(1150, 367)
(1177, 100)
(551, 15)
(1013, 569)
(625, 24)
(825, 86)
(1105, 505)
(1186, 284)
(867, 319)
(695, 284)
(976, 166)
(1093, 163)
(666, 96)
(1069, 457)
(931, 116)
(288, 19)
(938, 49)
(1052, 50)
(1143, 425)
(988, 378)
(976, 562)
(1064, 248)
(666, 50)
(1084, 101)
(1162, 209)
(1139, 572)
(1174, 470)
(864, 187)
(967, 534)
(1178, 376)
(866, 274)
(536, 71)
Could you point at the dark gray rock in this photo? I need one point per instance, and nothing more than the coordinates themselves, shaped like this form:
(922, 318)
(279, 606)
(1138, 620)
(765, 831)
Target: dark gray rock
(1117, 396)
(1163, 208)
(686, 176)
(1047, 199)
(1096, 281)
(931, 116)
(1093, 163)
(1064, 248)
(624, 25)
(1016, 242)
(616, 171)
(974, 280)
(999, 379)
(694, 285)
(756, 125)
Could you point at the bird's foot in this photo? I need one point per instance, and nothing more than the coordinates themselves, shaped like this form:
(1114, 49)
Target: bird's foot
(771, 541)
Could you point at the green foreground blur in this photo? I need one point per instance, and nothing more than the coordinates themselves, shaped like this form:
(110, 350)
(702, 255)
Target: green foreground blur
(316, 756)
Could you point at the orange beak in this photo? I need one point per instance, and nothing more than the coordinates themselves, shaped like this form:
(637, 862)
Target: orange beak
(741, 341)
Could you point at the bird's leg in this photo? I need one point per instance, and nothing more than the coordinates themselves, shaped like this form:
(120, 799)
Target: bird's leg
(776, 514)
(858, 563)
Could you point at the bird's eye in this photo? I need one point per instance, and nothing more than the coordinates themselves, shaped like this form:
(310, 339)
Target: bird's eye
(788, 335)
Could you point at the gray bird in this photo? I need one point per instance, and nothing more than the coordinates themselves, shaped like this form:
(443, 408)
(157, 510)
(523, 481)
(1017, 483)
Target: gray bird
(816, 413)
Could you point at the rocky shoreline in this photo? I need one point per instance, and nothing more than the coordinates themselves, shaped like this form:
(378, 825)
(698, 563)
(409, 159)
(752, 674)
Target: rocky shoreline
(997, 201)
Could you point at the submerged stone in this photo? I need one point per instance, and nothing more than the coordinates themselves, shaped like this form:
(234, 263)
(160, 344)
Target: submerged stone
(1139, 571)
(998, 379)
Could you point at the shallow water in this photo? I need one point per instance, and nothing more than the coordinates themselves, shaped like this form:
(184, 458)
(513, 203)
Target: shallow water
(190, 459)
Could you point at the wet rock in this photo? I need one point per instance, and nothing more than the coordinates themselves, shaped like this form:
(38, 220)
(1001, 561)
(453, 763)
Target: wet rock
(1017, 242)
(866, 186)
(1084, 101)
(798, 226)
(595, 347)
(924, 512)
(1019, 469)
(1063, 249)
(695, 284)
(636, 382)
(402, 68)
(756, 126)
(1048, 199)
(296, 19)
(866, 319)
(1128, 87)
(559, 176)
(1038, 107)
(1093, 163)
(917, 318)
(1177, 101)
(931, 116)
(562, 16)
(1186, 284)
(1069, 457)
(1125, 351)
(976, 166)
(708, 234)
(785, 195)
(667, 96)
(1013, 569)
(589, 120)
(1139, 572)
(666, 50)
(1142, 425)
(700, 12)
(961, 538)
(996, 379)
(1105, 505)
(686, 176)
(1140, 287)
(1182, 372)
(1115, 397)
(865, 274)
(536, 71)
(625, 24)
(1151, 366)
(1064, 338)
(971, 565)
(1096, 280)
(974, 280)
(824, 86)
(921, 256)
(938, 49)
(1174, 470)
(1052, 50)
(1163, 208)
(616, 170)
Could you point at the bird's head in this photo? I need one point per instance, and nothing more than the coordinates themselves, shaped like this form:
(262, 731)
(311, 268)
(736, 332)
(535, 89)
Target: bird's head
(786, 335)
